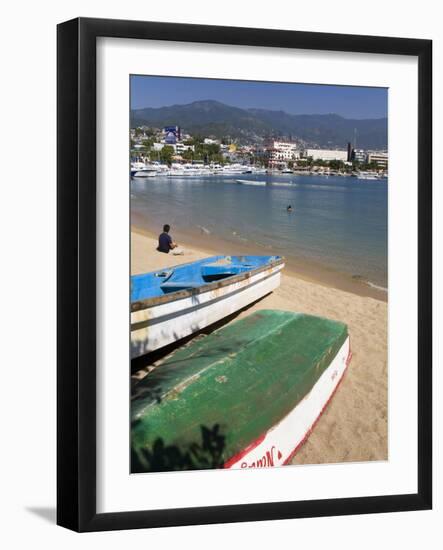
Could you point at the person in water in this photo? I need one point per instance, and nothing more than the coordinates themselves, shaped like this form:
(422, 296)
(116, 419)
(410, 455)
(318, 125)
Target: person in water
(165, 242)
(289, 208)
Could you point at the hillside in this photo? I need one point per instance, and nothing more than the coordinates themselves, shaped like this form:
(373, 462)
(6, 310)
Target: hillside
(213, 118)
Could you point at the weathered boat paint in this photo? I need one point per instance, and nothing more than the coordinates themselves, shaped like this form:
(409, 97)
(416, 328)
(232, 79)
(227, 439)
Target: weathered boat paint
(264, 380)
(167, 317)
(279, 445)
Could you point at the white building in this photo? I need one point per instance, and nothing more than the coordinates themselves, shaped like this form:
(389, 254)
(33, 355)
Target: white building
(178, 147)
(379, 158)
(281, 151)
(327, 154)
(181, 148)
(359, 155)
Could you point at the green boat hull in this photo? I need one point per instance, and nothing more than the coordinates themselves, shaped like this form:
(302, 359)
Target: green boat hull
(214, 402)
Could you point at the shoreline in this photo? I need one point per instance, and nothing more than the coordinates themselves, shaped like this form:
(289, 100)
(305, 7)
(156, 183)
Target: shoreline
(307, 270)
(354, 426)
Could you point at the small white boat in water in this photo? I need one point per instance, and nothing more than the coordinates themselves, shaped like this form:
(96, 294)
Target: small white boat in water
(367, 176)
(173, 303)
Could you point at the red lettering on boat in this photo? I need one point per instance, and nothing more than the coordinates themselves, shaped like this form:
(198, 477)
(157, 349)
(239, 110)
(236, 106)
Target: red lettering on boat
(264, 462)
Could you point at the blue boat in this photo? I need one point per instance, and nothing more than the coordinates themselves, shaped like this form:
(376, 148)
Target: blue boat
(170, 304)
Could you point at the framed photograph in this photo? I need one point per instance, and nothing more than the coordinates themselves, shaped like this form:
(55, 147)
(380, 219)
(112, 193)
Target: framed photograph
(244, 274)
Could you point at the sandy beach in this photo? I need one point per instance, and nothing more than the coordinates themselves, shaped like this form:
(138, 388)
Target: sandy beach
(354, 425)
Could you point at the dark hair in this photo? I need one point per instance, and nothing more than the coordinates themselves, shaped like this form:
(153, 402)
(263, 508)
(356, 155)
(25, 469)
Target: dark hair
(166, 228)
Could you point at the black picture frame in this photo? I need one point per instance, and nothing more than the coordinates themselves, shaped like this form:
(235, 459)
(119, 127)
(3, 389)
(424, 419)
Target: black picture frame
(76, 280)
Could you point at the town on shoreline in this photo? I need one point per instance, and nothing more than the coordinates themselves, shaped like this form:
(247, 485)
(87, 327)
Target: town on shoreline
(172, 151)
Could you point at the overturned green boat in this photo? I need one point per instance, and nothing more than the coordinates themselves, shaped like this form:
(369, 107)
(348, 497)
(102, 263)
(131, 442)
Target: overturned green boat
(245, 396)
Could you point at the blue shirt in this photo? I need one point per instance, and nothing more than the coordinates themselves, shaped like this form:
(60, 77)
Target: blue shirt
(164, 243)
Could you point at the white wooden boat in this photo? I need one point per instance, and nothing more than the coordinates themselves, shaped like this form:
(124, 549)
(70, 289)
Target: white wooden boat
(170, 304)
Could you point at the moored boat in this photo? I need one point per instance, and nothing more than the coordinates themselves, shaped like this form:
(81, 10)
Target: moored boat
(143, 170)
(170, 304)
(260, 384)
(235, 169)
(367, 175)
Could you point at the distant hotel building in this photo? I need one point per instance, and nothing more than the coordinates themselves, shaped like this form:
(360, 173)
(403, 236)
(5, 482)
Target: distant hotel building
(327, 154)
(358, 155)
(378, 158)
(281, 151)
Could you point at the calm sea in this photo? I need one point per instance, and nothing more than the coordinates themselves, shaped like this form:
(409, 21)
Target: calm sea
(340, 222)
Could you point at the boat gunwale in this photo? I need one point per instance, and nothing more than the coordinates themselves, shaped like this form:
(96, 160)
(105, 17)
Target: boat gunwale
(179, 294)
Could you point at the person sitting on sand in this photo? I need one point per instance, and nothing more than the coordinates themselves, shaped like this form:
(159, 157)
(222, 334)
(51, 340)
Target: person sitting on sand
(165, 242)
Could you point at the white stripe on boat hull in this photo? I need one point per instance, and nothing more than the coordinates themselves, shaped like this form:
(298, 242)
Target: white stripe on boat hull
(172, 321)
(280, 443)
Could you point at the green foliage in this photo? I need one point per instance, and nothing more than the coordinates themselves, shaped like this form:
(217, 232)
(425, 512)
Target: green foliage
(364, 166)
(203, 455)
(150, 132)
(337, 165)
(196, 139)
(165, 155)
(204, 152)
(148, 143)
(320, 162)
(188, 155)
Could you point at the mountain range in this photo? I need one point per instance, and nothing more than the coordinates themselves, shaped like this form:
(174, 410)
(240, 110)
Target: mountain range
(213, 118)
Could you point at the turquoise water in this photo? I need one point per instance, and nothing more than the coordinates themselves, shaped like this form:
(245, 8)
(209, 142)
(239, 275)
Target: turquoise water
(340, 222)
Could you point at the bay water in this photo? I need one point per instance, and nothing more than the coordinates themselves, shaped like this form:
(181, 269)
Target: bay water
(338, 222)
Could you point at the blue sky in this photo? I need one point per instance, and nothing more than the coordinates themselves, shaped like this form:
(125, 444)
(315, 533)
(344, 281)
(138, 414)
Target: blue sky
(347, 101)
